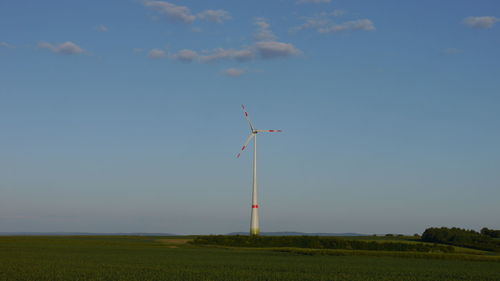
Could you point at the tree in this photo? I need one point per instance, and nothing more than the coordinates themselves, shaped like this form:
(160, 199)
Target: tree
(460, 237)
(490, 232)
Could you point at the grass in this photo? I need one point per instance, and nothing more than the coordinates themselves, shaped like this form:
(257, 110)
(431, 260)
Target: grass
(412, 240)
(315, 242)
(406, 254)
(165, 258)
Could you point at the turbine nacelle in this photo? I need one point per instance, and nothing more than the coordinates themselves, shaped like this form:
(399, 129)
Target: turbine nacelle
(253, 132)
(252, 129)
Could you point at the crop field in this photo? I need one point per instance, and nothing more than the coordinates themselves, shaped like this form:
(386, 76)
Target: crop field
(410, 239)
(172, 258)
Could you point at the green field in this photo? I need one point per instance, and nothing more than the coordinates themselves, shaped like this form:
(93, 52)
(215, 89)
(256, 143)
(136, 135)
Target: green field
(167, 258)
(410, 239)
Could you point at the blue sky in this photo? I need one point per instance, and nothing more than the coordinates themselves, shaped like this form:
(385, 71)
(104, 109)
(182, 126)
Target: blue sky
(124, 116)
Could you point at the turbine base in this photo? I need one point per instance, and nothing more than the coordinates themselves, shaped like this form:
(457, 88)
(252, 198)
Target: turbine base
(254, 231)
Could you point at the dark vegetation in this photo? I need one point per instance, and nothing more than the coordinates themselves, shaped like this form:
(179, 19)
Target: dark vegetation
(316, 242)
(463, 238)
(490, 232)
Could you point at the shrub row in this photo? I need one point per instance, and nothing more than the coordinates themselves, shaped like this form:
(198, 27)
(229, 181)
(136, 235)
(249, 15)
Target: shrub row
(316, 242)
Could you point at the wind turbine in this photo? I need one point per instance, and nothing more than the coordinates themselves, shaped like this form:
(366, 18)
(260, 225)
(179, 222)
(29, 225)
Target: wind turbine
(254, 222)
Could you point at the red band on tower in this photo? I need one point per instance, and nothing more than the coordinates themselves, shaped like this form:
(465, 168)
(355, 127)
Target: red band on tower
(255, 206)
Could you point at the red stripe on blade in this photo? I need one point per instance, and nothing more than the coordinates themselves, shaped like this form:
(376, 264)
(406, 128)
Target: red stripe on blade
(255, 206)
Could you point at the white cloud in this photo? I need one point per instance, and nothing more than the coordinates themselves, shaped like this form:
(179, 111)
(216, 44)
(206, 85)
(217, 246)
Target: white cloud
(186, 55)
(272, 49)
(313, 23)
(171, 11)
(263, 50)
(234, 72)
(266, 47)
(156, 54)
(324, 23)
(221, 54)
(67, 48)
(481, 22)
(217, 16)
(102, 28)
(6, 45)
(313, 1)
(176, 13)
(263, 32)
(364, 24)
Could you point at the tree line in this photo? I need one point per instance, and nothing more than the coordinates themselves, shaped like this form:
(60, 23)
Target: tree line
(463, 237)
(490, 232)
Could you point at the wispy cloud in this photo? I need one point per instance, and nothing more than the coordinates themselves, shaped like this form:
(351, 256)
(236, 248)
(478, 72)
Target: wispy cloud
(483, 22)
(241, 55)
(102, 28)
(262, 50)
(364, 25)
(265, 47)
(171, 11)
(6, 45)
(218, 54)
(217, 16)
(66, 48)
(272, 49)
(313, 1)
(234, 72)
(156, 54)
(324, 23)
(186, 55)
(263, 32)
(182, 14)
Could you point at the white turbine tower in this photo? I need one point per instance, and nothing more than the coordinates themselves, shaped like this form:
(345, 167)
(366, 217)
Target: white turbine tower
(254, 223)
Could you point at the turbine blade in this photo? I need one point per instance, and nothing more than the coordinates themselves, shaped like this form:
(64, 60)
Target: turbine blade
(269, 131)
(249, 138)
(246, 117)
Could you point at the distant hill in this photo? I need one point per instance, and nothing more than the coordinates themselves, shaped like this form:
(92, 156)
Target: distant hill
(288, 233)
(82, 234)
